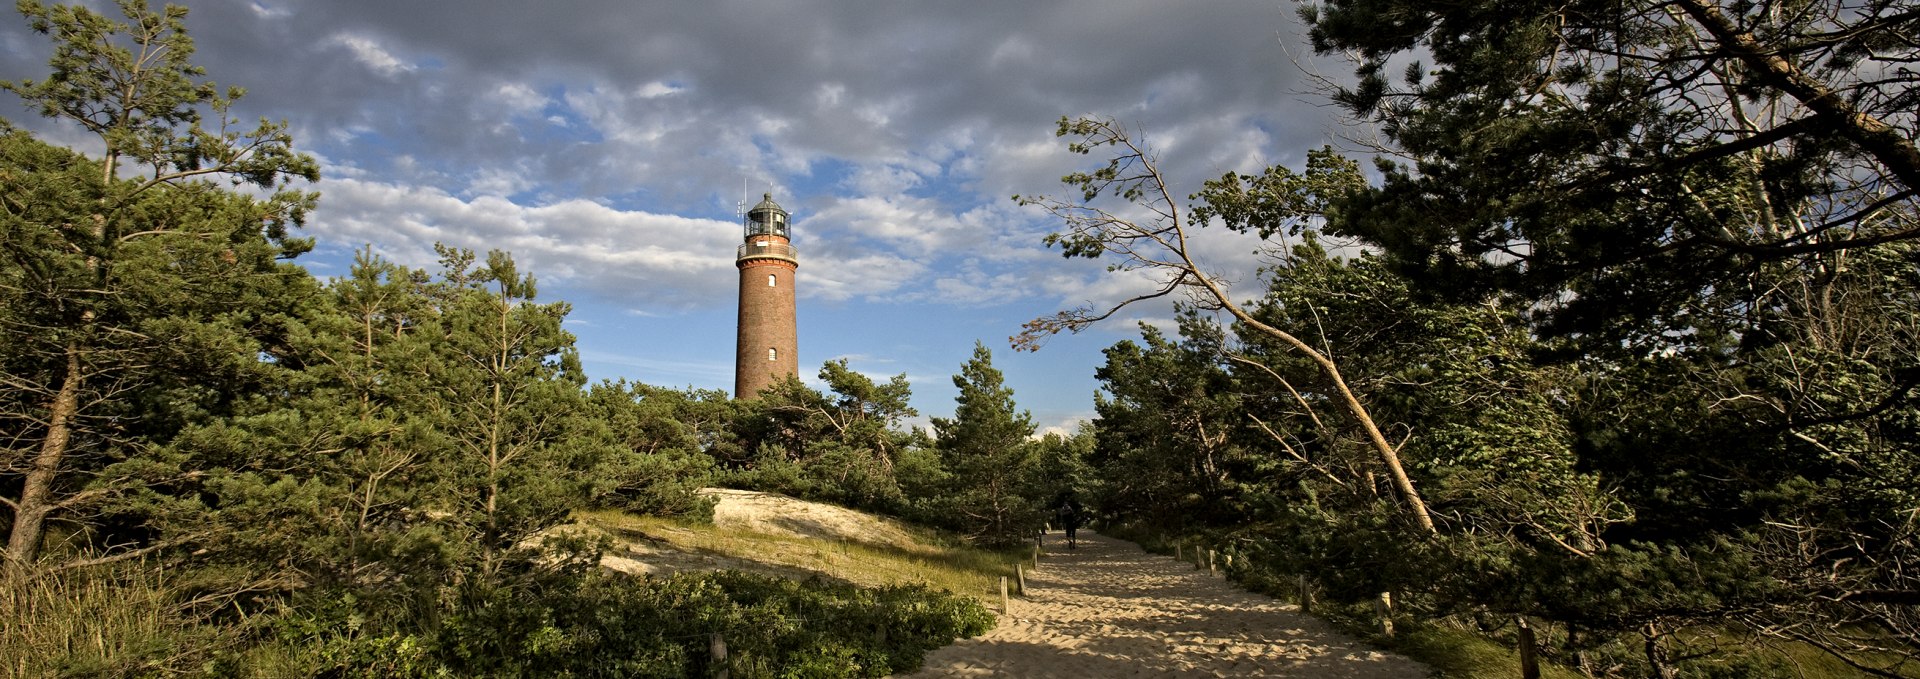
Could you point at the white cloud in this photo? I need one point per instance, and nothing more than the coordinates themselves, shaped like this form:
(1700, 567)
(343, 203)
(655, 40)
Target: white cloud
(895, 131)
(919, 227)
(634, 259)
(495, 181)
(372, 55)
(520, 98)
(884, 180)
(1013, 52)
(828, 96)
(1064, 426)
(657, 89)
(265, 11)
(873, 277)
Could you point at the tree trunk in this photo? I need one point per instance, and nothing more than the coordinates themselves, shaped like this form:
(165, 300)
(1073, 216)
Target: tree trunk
(495, 429)
(1148, 188)
(1529, 650)
(1658, 666)
(1389, 457)
(1880, 140)
(36, 496)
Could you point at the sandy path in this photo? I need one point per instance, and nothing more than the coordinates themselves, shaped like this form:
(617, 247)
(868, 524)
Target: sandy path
(1109, 609)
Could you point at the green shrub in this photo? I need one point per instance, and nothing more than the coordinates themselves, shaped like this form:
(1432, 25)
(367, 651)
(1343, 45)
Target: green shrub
(610, 625)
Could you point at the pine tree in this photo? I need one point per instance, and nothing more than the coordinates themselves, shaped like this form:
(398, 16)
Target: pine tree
(985, 449)
(507, 395)
(131, 275)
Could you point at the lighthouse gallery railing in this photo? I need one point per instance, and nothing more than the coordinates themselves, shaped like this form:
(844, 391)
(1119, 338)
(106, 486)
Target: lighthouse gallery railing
(768, 250)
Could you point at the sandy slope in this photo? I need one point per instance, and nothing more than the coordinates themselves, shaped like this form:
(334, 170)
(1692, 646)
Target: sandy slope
(781, 515)
(767, 514)
(1110, 609)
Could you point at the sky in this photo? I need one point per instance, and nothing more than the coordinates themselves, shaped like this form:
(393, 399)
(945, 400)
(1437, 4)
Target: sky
(607, 145)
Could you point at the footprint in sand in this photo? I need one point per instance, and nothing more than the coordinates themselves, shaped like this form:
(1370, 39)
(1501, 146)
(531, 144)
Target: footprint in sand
(1109, 609)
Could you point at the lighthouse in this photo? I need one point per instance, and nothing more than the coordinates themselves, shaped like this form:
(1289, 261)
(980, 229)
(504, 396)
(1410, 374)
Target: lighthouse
(767, 351)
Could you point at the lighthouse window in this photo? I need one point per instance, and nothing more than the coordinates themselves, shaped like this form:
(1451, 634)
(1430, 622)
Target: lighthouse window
(773, 354)
(770, 282)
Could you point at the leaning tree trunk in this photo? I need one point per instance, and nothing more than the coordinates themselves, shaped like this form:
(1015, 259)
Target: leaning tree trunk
(1389, 457)
(36, 494)
(1659, 666)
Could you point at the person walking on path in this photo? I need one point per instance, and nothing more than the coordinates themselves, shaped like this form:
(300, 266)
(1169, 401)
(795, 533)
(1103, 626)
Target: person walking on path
(1071, 515)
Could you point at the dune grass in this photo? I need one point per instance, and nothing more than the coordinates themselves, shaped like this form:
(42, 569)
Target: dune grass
(110, 621)
(1789, 658)
(936, 561)
(1460, 654)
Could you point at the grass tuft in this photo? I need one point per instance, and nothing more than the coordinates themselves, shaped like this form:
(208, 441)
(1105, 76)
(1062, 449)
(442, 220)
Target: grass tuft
(935, 561)
(109, 621)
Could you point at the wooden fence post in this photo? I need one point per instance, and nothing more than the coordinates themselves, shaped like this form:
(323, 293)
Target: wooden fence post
(1210, 569)
(1306, 594)
(1179, 552)
(1529, 651)
(717, 651)
(1384, 607)
(1020, 573)
(1004, 608)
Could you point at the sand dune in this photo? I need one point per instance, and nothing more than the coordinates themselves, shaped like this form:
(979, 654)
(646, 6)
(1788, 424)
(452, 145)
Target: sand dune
(776, 514)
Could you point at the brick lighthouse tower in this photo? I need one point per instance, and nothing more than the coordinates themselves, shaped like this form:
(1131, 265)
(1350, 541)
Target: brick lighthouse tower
(768, 347)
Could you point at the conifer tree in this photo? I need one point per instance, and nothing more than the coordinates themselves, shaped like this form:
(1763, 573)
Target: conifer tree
(127, 271)
(507, 395)
(330, 481)
(985, 449)
(1615, 159)
(666, 443)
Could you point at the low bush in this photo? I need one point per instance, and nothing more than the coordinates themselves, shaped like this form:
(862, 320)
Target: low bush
(610, 625)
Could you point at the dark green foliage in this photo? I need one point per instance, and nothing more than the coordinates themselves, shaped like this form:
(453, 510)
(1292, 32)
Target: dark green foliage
(366, 477)
(1741, 478)
(1278, 201)
(1167, 423)
(1600, 496)
(406, 518)
(985, 451)
(134, 302)
(1058, 464)
(427, 429)
(609, 625)
(1541, 161)
(1637, 316)
(840, 447)
(668, 441)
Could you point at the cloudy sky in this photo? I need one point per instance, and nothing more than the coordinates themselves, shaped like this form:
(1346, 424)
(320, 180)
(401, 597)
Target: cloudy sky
(606, 144)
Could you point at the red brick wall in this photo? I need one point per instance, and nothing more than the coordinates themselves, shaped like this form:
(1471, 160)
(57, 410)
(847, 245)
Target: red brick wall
(766, 322)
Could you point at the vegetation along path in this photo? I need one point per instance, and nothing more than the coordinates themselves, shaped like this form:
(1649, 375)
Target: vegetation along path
(1109, 609)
